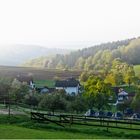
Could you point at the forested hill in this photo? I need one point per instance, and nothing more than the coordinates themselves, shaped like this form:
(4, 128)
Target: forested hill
(94, 57)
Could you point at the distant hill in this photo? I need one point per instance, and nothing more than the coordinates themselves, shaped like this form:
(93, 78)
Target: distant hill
(92, 57)
(13, 55)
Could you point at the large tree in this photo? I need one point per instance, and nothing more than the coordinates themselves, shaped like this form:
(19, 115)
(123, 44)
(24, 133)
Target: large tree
(97, 92)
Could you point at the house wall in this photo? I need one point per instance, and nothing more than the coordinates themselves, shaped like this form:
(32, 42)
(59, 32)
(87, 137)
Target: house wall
(69, 90)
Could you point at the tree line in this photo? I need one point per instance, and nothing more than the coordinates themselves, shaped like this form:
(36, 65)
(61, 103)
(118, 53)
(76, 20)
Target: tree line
(94, 57)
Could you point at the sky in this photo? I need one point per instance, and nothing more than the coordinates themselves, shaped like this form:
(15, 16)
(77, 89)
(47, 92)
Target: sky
(68, 24)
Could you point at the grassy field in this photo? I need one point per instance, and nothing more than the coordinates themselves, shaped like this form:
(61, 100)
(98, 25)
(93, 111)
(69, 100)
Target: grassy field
(137, 70)
(22, 127)
(14, 132)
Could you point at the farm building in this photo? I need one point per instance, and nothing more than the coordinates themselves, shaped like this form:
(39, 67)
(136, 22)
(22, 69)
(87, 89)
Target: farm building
(123, 96)
(70, 85)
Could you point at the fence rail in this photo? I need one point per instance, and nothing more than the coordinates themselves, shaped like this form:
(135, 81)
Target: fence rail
(61, 120)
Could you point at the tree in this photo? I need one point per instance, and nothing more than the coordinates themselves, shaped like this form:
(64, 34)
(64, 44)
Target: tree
(129, 76)
(84, 76)
(32, 100)
(114, 78)
(136, 101)
(78, 104)
(18, 90)
(53, 102)
(97, 92)
(80, 63)
(5, 92)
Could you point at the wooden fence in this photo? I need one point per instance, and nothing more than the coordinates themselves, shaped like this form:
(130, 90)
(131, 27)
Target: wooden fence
(62, 120)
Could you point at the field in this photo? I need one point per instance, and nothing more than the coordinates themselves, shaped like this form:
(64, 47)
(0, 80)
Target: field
(22, 127)
(137, 70)
(37, 73)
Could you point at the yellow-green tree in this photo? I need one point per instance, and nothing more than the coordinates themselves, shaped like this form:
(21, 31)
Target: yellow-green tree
(97, 92)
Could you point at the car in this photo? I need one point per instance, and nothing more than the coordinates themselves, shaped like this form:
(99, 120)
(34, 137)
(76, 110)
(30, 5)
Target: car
(118, 115)
(109, 114)
(128, 112)
(100, 114)
(90, 112)
(136, 116)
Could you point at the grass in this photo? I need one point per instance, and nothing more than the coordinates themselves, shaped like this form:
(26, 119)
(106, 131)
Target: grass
(22, 127)
(137, 70)
(14, 132)
(48, 83)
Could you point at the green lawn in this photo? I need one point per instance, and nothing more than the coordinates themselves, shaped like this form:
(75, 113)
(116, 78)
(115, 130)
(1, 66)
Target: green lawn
(48, 83)
(137, 70)
(22, 127)
(14, 132)
(19, 132)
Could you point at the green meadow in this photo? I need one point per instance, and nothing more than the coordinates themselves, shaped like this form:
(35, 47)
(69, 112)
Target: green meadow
(21, 127)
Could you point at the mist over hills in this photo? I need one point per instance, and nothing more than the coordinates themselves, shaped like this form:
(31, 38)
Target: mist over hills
(13, 55)
(37, 56)
(89, 58)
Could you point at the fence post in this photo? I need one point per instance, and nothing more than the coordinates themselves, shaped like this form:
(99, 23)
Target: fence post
(60, 118)
(130, 123)
(85, 119)
(107, 126)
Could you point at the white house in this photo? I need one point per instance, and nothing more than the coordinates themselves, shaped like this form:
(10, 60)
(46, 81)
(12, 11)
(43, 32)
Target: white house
(70, 85)
(122, 96)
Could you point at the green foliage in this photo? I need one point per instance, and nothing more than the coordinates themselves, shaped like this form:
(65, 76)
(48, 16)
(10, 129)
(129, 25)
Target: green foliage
(136, 101)
(131, 53)
(96, 57)
(53, 102)
(37, 62)
(32, 99)
(18, 90)
(78, 104)
(5, 84)
(97, 92)
(119, 73)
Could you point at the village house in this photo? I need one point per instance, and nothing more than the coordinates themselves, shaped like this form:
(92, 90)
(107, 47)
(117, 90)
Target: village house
(124, 96)
(27, 79)
(70, 85)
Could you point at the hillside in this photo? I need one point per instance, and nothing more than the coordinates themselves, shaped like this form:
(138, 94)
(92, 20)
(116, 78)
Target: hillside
(89, 58)
(13, 55)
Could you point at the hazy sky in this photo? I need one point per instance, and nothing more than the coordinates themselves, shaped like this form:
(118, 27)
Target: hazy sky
(68, 23)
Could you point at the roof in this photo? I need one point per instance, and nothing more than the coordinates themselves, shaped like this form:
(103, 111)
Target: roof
(71, 82)
(132, 94)
(122, 93)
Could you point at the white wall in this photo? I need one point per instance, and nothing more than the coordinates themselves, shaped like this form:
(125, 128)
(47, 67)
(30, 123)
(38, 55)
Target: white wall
(69, 90)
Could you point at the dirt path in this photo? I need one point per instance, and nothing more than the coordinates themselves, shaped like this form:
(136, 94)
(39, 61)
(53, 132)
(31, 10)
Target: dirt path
(5, 111)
